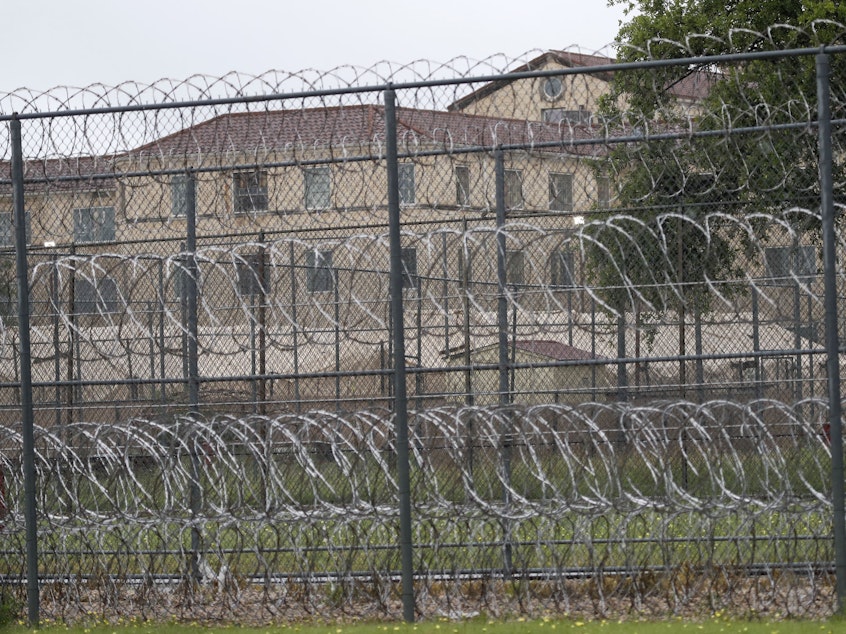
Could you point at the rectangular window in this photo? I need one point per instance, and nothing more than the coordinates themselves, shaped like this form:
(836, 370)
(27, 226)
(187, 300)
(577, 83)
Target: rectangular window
(7, 229)
(94, 224)
(464, 272)
(562, 115)
(250, 191)
(99, 296)
(320, 274)
(318, 184)
(410, 279)
(513, 189)
(560, 192)
(603, 192)
(179, 195)
(250, 281)
(407, 194)
(514, 268)
(462, 185)
(561, 270)
(784, 264)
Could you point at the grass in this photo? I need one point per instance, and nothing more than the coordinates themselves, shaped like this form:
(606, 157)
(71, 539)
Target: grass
(717, 624)
(583, 512)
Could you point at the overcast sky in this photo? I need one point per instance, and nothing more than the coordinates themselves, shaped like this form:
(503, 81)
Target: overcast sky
(48, 43)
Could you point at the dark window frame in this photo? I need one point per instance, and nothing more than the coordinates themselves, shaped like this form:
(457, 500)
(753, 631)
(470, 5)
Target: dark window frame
(249, 191)
(561, 191)
(320, 271)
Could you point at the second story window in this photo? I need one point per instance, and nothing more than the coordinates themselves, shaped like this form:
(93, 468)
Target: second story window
(407, 195)
(179, 195)
(7, 229)
(94, 224)
(462, 185)
(250, 191)
(318, 183)
(603, 192)
(513, 189)
(561, 192)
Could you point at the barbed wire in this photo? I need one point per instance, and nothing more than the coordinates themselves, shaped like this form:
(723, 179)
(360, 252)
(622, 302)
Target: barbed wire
(618, 391)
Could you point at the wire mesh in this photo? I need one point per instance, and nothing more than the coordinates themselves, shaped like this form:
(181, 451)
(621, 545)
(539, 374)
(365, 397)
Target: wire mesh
(618, 394)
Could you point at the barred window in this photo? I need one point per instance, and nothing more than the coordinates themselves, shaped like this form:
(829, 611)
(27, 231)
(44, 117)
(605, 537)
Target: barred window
(7, 228)
(320, 274)
(318, 183)
(250, 282)
(410, 278)
(561, 270)
(250, 190)
(94, 224)
(462, 185)
(515, 268)
(179, 195)
(513, 189)
(784, 264)
(94, 297)
(560, 192)
(407, 195)
(603, 192)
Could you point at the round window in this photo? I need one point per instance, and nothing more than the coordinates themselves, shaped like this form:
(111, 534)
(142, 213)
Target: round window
(552, 88)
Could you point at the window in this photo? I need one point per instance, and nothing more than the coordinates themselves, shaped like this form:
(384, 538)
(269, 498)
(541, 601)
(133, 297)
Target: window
(410, 279)
(99, 296)
(561, 192)
(406, 184)
(179, 195)
(320, 275)
(7, 229)
(514, 268)
(561, 270)
(570, 117)
(94, 224)
(552, 88)
(784, 264)
(462, 271)
(250, 282)
(250, 190)
(603, 192)
(513, 189)
(462, 185)
(318, 182)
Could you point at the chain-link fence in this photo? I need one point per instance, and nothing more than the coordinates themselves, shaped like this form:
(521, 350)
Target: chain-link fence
(612, 320)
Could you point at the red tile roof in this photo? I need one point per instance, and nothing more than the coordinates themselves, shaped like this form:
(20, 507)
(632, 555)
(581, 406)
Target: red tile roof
(359, 127)
(554, 350)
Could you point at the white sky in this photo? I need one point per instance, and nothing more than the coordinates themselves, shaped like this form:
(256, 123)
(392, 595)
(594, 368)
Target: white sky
(48, 43)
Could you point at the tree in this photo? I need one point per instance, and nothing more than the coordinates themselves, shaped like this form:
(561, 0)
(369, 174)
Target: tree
(680, 196)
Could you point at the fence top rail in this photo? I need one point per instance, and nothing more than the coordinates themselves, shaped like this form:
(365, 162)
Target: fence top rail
(703, 61)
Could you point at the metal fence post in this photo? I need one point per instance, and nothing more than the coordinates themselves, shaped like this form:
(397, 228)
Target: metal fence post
(193, 367)
(832, 343)
(400, 397)
(504, 365)
(25, 377)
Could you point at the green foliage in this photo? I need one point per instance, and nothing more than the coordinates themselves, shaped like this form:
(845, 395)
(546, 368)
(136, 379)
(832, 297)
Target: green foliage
(655, 258)
(10, 606)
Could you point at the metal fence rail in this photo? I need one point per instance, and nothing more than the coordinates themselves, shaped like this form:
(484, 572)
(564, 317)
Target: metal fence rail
(610, 338)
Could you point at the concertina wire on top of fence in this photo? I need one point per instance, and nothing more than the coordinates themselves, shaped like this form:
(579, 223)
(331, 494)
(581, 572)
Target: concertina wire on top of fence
(617, 392)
